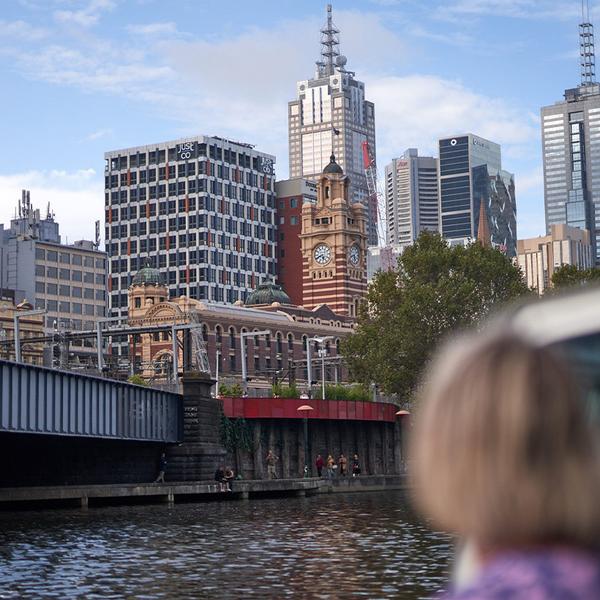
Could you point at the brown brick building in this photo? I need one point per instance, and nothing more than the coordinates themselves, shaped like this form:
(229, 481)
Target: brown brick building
(280, 354)
(334, 248)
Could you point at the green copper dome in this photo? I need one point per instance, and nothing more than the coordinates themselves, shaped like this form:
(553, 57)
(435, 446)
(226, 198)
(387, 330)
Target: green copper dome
(333, 167)
(267, 293)
(147, 276)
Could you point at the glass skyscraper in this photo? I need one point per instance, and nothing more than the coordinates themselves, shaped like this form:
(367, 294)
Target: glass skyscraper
(471, 178)
(571, 149)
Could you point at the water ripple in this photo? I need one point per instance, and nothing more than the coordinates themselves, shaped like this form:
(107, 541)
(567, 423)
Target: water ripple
(334, 546)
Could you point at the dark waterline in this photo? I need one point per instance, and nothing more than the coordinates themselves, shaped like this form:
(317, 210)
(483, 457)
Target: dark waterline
(334, 546)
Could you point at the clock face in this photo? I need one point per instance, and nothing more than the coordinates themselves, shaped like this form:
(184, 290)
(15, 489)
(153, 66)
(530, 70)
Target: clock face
(354, 254)
(322, 254)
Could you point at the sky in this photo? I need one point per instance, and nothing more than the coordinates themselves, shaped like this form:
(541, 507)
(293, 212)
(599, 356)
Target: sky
(81, 77)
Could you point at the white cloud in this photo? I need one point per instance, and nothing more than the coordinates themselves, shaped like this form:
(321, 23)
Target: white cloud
(168, 28)
(523, 9)
(85, 17)
(21, 30)
(98, 134)
(76, 197)
(415, 111)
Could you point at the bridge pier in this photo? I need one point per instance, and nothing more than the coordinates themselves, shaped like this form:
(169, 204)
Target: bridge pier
(197, 457)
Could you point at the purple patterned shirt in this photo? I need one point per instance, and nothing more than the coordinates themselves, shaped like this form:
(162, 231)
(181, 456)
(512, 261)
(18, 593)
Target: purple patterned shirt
(559, 573)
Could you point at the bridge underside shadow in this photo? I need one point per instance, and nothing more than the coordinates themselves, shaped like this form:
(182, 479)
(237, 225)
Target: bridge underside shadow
(40, 460)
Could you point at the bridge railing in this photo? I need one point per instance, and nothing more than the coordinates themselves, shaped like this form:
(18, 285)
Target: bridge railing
(46, 401)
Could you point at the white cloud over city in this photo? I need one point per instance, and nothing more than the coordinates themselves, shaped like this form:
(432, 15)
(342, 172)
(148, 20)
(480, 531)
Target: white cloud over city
(239, 85)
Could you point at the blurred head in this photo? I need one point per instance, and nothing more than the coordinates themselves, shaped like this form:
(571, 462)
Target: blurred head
(502, 452)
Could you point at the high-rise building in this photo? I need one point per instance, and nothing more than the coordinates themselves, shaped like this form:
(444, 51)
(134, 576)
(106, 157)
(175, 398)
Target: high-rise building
(334, 246)
(330, 115)
(291, 195)
(539, 257)
(67, 281)
(201, 210)
(471, 178)
(411, 197)
(571, 149)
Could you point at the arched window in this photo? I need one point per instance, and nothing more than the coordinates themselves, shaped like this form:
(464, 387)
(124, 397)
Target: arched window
(290, 339)
(279, 349)
(304, 341)
(205, 332)
(231, 337)
(337, 346)
(219, 334)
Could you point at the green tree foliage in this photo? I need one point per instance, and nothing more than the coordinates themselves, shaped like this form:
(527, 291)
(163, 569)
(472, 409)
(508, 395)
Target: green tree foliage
(434, 290)
(137, 380)
(569, 275)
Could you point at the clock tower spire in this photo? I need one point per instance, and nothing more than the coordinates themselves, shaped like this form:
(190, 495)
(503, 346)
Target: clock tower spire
(334, 249)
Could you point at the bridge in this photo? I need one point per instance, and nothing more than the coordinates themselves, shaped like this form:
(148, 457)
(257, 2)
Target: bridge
(38, 400)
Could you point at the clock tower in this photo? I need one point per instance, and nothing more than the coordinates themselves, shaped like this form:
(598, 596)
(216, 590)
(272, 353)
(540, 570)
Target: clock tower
(334, 249)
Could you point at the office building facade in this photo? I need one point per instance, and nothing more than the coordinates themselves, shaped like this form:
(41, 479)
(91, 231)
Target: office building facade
(331, 115)
(471, 179)
(201, 210)
(291, 195)
(411, 197)
(539, 257)
(571, 151)
(67, 281)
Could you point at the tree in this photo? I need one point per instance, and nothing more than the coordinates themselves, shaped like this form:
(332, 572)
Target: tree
(435, 289)
(569, 275)
(137, 380)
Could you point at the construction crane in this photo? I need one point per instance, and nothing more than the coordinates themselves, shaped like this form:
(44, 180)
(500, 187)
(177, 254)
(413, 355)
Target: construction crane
(373, 201)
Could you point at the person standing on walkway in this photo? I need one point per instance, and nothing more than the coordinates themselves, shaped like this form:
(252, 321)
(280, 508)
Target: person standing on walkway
(162, 467)
(271, 461)
(330, 465)
(319, 463)
(343, 465)
(355, 466)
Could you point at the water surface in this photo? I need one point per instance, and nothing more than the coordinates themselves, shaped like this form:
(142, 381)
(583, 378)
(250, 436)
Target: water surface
(361, 545)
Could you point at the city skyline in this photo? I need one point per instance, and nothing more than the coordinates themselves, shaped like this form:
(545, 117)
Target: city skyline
(102, 74)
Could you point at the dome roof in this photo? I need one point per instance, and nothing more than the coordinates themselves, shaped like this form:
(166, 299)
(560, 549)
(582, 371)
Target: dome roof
(267, 293)
(147, 276)
(333, 167)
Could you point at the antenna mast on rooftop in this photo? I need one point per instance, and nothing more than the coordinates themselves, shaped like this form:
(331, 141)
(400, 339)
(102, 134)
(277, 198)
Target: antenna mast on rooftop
(330, 42)
(586, 46)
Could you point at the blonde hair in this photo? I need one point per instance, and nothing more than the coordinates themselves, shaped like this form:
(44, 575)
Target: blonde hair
(502, 452)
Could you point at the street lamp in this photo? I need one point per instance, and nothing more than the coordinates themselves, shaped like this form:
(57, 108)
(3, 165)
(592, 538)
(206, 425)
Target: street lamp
(322, 353)
(304, 410)
(402, 414)
(243, 336)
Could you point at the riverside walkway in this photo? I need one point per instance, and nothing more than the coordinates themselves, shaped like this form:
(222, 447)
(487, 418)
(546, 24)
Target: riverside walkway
(90, 495)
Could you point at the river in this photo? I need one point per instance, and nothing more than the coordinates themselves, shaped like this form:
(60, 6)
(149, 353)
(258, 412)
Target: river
(362, 545)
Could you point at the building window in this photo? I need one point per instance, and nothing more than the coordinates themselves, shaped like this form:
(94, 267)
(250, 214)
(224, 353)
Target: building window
(137, 302)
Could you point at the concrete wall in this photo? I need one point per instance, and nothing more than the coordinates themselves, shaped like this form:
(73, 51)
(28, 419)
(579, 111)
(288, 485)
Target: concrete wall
(378, 445)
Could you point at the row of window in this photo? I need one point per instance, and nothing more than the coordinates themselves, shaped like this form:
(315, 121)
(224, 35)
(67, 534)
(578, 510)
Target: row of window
(186, 151)
(54, 289)
(70, 274)
(76, 308)
(186, 170)
(68, 258)
(191, 186)
(195, 242)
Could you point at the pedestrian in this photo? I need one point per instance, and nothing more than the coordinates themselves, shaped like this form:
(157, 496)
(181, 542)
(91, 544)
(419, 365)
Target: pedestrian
(355, 466)
(330, 466)
(220, 479)
(229, 477)
(319, 463)
(162, 467)
(342, 464)
(271, 461)
(512, 469)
